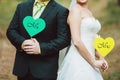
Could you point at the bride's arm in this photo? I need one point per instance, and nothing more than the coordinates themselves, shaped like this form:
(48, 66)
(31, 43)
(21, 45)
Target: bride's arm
(74, 20)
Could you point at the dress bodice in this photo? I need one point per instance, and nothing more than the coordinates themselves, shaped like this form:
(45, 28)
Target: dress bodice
(89, 28)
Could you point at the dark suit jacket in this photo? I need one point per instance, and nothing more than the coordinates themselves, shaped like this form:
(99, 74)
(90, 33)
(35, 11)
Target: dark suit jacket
(53, 38)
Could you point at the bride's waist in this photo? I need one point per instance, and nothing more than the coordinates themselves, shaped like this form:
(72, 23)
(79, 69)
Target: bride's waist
(86, 41)
(89, 36)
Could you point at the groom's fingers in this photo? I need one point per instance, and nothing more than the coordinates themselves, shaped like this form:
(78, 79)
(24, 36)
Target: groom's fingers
(32, 49)
(34, 40)
(28, 47)
(29, 50)
(28, 44)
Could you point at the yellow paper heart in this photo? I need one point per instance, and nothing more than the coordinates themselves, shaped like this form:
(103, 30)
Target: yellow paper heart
(104, 46)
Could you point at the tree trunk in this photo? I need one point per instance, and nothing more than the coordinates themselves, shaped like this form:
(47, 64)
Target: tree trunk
(119, 2)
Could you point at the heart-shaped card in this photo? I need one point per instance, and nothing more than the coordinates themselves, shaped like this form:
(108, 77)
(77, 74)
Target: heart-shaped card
(104, 46)
(32, 26)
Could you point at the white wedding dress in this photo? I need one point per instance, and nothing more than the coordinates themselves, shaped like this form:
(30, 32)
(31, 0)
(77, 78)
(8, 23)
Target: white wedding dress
(74, 66)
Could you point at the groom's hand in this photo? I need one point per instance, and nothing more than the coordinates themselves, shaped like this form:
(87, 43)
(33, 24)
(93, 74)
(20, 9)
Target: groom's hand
(31, 46)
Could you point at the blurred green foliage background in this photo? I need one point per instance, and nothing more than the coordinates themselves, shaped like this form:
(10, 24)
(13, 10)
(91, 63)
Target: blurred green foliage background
(108, 13)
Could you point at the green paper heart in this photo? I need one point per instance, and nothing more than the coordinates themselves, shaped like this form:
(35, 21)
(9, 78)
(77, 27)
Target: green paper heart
(32, 26)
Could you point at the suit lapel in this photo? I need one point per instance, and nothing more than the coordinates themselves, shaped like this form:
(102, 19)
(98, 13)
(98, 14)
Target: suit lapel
(30, 7)
(48, 9)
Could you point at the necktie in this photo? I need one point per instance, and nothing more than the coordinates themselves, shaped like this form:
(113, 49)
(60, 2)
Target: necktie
(39, 5)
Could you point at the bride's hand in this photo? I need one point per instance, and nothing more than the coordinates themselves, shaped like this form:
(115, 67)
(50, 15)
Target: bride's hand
(98, 63)
(101, 63)
(104, 66)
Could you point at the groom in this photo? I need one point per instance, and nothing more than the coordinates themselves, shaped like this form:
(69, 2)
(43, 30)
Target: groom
(37, 57)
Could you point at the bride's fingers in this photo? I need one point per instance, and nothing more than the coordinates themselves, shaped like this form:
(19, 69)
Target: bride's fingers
(104, 67)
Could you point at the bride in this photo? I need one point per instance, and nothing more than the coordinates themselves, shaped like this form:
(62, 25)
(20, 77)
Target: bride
(82, 61)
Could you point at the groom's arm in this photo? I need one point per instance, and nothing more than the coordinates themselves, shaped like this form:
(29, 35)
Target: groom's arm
(13, 31)
(63, 36)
